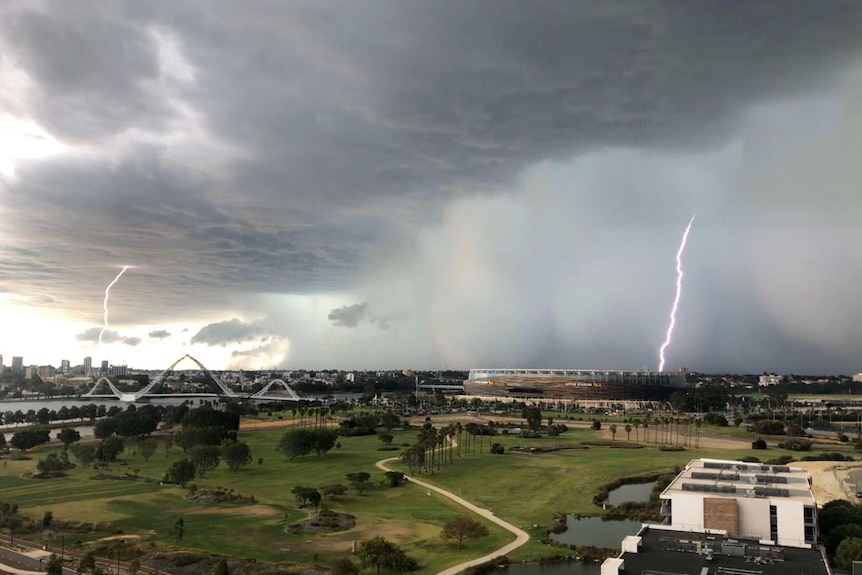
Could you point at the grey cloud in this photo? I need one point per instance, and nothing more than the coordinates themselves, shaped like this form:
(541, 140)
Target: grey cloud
(325, 142)
(110, 336)
(348, 315)
(160, 334)
(225, 332)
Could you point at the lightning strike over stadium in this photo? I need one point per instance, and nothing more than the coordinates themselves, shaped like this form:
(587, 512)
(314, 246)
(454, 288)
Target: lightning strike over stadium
(105, 302)
(673, 310)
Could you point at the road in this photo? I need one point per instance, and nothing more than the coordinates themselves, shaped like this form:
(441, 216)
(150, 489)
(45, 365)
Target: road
(26, 564)
(521, 536)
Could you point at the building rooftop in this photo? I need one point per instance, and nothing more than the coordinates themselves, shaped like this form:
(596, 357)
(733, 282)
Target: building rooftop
(665, 552)
(720, 478)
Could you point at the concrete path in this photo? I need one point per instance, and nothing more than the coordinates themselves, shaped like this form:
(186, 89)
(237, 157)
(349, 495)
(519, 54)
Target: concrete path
(521, 536)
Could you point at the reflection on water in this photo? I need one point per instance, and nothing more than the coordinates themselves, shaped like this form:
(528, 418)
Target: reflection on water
(635, 492)
(558, 568)
(593, 531)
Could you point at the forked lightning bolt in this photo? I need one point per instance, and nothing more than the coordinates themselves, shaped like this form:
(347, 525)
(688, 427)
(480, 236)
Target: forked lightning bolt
(679, 275)
(105, 303)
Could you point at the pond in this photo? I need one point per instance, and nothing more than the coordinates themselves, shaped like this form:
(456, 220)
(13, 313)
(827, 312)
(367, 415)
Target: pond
(634, 492)
(594, 531)
(557, 568)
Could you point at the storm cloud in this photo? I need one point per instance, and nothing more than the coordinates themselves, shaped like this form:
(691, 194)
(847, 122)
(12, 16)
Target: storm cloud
(496, 182)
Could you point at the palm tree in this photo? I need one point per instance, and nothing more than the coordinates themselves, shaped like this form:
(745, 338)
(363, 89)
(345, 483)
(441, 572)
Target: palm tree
(628, 429)
(697, 425)
(646, 431)
(613, 428)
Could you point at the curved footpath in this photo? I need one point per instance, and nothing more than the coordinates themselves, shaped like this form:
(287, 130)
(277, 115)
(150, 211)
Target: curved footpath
(521, 536)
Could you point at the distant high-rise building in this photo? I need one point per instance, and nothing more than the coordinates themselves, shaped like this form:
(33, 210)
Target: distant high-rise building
(17, 364)
(104, 370)
(46, 371)
(88, 364)
(65, 366)
(118, 370)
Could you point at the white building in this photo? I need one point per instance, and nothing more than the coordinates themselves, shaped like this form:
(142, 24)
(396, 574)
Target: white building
(769, 503)
(857, 377)
(771, 379)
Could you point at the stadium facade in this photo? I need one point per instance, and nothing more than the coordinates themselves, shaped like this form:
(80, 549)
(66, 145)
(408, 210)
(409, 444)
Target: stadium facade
(574, 384)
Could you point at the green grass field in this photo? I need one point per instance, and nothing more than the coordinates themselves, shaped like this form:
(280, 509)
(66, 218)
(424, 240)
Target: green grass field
(525, 489)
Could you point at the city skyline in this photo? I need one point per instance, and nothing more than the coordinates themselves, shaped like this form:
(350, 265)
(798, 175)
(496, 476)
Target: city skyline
(383, 185)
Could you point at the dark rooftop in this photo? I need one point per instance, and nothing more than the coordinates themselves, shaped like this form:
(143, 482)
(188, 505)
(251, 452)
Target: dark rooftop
(683, 553)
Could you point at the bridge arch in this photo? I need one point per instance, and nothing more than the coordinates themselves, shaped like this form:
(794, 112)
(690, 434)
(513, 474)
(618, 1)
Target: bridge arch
(110, 385)
(291, 394)
(164, 375)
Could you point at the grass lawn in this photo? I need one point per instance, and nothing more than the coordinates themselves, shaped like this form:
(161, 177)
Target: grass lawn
(525, 489)
(405, 515)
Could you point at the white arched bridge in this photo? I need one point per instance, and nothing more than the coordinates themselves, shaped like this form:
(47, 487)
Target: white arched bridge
(275, 390)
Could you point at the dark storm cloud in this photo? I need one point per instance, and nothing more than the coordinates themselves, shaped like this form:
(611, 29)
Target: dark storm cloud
(160, 334)
(230, 331)
(348, 315)
(227, 148)
(110, 336)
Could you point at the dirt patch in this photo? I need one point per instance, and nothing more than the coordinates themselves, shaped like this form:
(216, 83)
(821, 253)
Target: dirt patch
(544, 449)
(218, 497)
(324, 522)
(831, 479)
(251, 510)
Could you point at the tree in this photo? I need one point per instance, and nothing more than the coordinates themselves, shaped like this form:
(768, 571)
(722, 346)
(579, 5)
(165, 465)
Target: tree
(379, 552)
(109, 448)
(205, 458)
(181, 472)
(85, 454)
(360, 481)
(147, 447)
(628, 429)
(306, 494)
(236, 454)
(48, 519)
(533, 416)
(29, 438)
(333, 491)
(54, 565)
(87, 563)
(613, 429)
(343, 566)
(848, 551)
(461, 528)
(395, 478)
(385, 437)
(839, 534)
(296, 443)
(596, 425)
(221, 567)
(68, 436)
(178, 529)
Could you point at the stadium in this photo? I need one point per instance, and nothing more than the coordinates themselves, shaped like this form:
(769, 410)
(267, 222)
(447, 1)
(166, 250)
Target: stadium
(573, 384)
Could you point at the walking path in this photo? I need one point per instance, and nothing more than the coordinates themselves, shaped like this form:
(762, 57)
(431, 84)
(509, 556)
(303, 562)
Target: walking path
(521, 536)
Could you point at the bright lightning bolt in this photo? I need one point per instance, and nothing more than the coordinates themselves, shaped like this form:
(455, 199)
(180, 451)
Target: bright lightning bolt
(105, 303)
(679, 275)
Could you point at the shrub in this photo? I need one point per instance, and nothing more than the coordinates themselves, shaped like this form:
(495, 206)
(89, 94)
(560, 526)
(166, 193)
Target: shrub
(498, 449)
(596, 424)
(796, 445)
(759, 444)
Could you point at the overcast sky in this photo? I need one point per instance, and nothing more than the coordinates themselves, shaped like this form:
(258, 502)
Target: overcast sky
(391, 184)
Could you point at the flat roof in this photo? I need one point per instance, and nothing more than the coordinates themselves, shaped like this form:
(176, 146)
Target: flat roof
(675, 552)
(738, 479)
